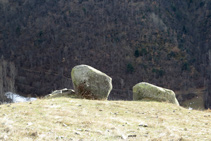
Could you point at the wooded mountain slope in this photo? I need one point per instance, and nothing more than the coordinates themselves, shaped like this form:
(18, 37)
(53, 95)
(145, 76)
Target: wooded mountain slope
(166, 43)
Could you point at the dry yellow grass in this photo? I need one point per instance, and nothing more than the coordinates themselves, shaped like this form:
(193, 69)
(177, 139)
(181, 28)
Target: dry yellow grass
(65, 118)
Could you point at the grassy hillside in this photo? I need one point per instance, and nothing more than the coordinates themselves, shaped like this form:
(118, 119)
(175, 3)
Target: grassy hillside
(78, 119)
(165, 43)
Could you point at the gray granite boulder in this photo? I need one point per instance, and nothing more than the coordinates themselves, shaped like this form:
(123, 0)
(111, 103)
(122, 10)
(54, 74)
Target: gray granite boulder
(91, 83)
(146, 91)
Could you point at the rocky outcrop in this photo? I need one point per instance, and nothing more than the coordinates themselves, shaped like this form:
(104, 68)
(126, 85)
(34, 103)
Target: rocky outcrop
(146, 91)
(91, 83)
(59, 93)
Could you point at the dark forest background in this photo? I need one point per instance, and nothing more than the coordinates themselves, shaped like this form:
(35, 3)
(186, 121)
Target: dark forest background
(166, 43)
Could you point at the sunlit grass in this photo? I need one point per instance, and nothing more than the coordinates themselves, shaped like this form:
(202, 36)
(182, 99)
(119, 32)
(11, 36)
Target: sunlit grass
(65, 118)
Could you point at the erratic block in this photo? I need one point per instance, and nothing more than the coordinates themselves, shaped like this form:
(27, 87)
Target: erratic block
(146, 91)
(91, 83)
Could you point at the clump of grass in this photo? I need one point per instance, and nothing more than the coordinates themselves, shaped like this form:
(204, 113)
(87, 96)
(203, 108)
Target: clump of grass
(64, 118)
(209, 110)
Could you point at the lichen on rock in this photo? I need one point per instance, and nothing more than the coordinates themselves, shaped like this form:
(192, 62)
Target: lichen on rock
(143, 91)
(91, 83)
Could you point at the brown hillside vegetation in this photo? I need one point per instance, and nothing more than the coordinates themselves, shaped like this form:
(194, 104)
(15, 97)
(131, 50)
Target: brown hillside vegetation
(166, 43)
(79, 119)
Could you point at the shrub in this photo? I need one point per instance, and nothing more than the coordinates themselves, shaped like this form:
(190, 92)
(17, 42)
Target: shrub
(201, 4)
(173, 8)
(170, 55)
(185, 66)
(40, 33)
(18, 31)
(143, 52)
(158, 72)
(136, 54)
(130, 68)
(184, 29)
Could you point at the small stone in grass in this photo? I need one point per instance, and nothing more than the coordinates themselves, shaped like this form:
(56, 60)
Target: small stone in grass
(29, 123)
(145, 135)
(77, 133)
(131, 136)
(59, 137)
(124, 137)
(34, 134)
(143, 125)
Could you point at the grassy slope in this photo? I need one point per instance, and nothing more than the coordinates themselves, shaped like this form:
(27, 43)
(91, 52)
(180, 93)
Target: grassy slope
(69, 118)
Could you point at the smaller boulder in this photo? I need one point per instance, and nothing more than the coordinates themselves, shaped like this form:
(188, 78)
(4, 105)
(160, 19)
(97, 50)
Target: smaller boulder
(60, 93)
(91, 83)
(146, 91)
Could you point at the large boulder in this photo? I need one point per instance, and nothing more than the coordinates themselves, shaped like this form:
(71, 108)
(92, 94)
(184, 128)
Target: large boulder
(146, 91)
(91, 83)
